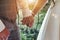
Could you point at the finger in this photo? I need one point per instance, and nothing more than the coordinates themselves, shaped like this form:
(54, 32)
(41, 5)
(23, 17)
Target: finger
(31, 23)
(3, 38)
(23, 22)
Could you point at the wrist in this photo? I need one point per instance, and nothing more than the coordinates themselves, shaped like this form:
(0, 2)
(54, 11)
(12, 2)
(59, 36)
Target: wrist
(33, 14)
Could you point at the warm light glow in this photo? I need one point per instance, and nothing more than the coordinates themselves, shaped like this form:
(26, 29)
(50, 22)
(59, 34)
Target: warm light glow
(30, 1)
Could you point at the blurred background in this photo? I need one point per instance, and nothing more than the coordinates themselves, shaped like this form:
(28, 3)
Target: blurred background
(27, 33)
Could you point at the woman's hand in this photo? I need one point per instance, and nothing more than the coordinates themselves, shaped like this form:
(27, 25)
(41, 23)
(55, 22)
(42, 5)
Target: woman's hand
(4, 34)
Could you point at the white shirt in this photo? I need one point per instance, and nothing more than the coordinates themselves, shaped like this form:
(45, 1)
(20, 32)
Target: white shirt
(23, 4)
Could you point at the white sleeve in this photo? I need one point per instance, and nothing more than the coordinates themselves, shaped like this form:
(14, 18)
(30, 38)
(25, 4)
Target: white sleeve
(26, 12)
(23, 4)
(2, 26)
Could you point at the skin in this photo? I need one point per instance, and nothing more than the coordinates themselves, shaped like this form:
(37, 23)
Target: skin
(38, 6)
(11, 16)
(4, 34)
(30, 19)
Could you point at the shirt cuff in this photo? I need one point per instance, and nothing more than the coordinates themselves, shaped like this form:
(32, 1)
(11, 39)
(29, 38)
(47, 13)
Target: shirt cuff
(2, 26)
(26, 12)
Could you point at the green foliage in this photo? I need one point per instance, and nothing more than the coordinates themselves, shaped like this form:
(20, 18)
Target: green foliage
(32, 33)
(27, 33)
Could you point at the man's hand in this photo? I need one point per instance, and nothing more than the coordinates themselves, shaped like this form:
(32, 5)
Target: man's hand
(28, 21)
(4, 34)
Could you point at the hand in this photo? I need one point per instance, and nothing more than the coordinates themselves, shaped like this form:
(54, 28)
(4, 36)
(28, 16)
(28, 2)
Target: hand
(28, 21)
(4, 34)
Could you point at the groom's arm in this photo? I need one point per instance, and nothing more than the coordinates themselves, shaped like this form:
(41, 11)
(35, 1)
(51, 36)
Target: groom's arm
(38, 6)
